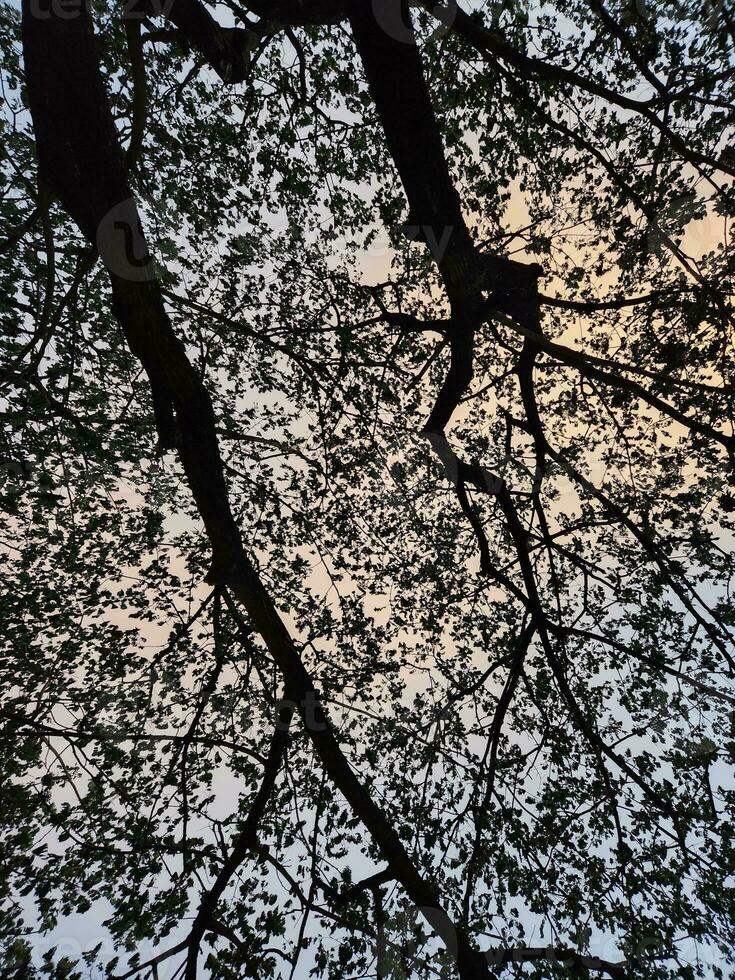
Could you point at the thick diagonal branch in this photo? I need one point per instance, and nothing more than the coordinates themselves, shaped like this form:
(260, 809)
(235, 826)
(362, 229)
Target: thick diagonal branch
(391, 59)
(229, 50)
(78, 150)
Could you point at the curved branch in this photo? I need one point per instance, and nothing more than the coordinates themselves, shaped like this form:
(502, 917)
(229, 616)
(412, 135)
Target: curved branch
(492, 43)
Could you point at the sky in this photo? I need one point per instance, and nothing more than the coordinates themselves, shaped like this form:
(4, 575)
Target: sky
(76, 933)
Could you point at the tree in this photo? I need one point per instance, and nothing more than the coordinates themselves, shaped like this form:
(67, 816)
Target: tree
(366, 624)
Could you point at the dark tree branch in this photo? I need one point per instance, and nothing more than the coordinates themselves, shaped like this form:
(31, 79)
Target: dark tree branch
(493, 45)
(140, 92)
(562, 956)
(77, 146)
(593, 306)
(229, 50)
(245, 840)
(226, 49)
(586, 365)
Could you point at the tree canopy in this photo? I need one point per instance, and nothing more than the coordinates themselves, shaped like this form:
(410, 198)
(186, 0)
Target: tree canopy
(367, 488)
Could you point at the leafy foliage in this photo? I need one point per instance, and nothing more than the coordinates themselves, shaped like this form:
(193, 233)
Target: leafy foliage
(573, 792)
